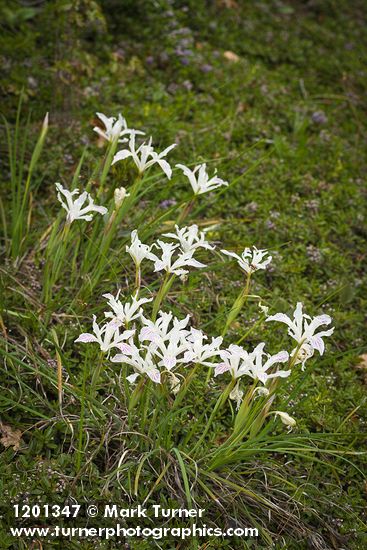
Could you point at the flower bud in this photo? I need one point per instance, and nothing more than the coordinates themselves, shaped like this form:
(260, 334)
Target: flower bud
(45, 124)
(236, 395)
(264, 309)
(261, 391)
(174, 383)
(119, 196)
(286, 419)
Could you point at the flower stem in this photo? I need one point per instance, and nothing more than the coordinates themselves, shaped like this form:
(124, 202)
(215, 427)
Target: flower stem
(107, 161)
(162, 292)
(185, 387)
(97, 374)
(55, 254)
(136, 394)
(220, 402)
(137, 279)
(81, 420)
(186, 211)
(238, 305)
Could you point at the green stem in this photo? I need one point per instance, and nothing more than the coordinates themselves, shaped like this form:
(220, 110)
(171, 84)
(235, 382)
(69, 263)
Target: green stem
(162, 292)
(96, 255)
(220, 402)
(96, 375)
(110, 152)
(244, 408)
(185, 387)
(186, 210)
(55, 258)
(238, 305)
(144, 405)
(252, 420)
(81, 420)
(136, 394)
(137, 278)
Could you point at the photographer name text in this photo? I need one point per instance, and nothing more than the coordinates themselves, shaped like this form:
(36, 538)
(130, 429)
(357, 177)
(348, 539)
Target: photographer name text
(105, 511)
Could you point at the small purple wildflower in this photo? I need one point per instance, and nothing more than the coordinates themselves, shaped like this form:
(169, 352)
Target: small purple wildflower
(206, 68)
(183, 52)
(167, 203)
(270, 225)
(319, 117)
